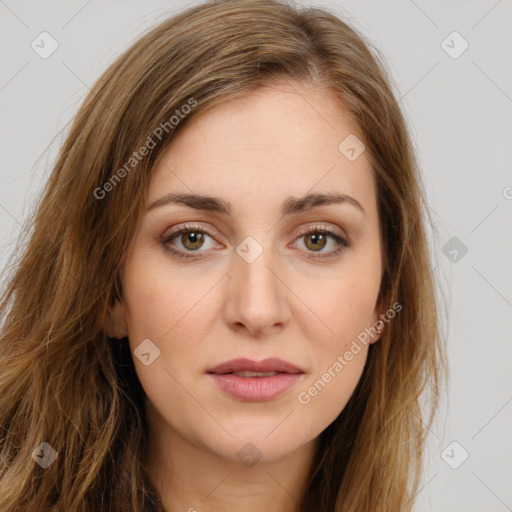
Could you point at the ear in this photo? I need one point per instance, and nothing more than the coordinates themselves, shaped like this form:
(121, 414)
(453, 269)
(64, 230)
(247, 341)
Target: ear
(377, 325)
(115, 324)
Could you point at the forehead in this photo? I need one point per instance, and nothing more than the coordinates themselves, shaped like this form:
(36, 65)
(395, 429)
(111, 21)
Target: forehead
(279, 141)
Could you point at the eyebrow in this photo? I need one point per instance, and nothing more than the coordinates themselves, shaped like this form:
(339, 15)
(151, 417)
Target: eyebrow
(290, 206)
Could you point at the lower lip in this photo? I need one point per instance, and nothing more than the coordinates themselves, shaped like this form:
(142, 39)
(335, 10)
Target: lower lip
(255, 389)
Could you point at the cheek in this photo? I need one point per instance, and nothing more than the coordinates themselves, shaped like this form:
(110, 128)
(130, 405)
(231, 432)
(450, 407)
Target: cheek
(336, 310)
(343, 308)
(326, 393)
(168, 311)
(161, 301)
(176, 313)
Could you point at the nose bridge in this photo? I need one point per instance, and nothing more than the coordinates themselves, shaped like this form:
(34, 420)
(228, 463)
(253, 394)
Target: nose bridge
(255, 293)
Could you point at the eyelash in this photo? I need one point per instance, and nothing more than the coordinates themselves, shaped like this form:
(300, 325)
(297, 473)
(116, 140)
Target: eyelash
(341, 242)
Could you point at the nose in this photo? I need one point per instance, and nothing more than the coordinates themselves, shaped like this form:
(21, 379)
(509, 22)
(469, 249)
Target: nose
(257, 295)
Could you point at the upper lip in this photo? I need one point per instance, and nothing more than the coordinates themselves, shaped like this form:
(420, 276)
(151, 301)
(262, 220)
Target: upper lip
(272, 364)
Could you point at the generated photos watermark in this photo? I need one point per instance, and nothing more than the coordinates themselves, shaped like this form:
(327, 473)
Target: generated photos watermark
(304, 397)
(137, 156)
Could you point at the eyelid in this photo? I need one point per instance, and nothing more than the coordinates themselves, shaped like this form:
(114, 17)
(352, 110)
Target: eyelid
(210, 231)
(324, 227)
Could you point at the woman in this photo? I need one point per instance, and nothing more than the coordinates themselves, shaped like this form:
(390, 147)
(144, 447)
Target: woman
(226, 299)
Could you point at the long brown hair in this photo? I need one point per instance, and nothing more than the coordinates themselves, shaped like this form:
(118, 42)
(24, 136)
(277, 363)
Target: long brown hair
(65, 383)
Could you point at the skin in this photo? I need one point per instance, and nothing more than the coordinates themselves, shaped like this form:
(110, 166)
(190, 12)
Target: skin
(253, 152)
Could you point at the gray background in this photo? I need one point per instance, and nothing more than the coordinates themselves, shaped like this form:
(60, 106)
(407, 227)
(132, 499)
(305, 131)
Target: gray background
(460, 115)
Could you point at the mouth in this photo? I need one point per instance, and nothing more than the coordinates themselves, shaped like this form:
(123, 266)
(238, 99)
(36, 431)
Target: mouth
(253, 381)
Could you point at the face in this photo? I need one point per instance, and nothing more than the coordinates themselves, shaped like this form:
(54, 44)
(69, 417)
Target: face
(202, 286)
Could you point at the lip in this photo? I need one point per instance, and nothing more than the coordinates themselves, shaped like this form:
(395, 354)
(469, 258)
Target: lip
(256, 389)
(271, 364)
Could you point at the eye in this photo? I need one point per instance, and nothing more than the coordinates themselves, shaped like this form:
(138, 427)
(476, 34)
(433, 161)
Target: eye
(192, 239)
(317, 238)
